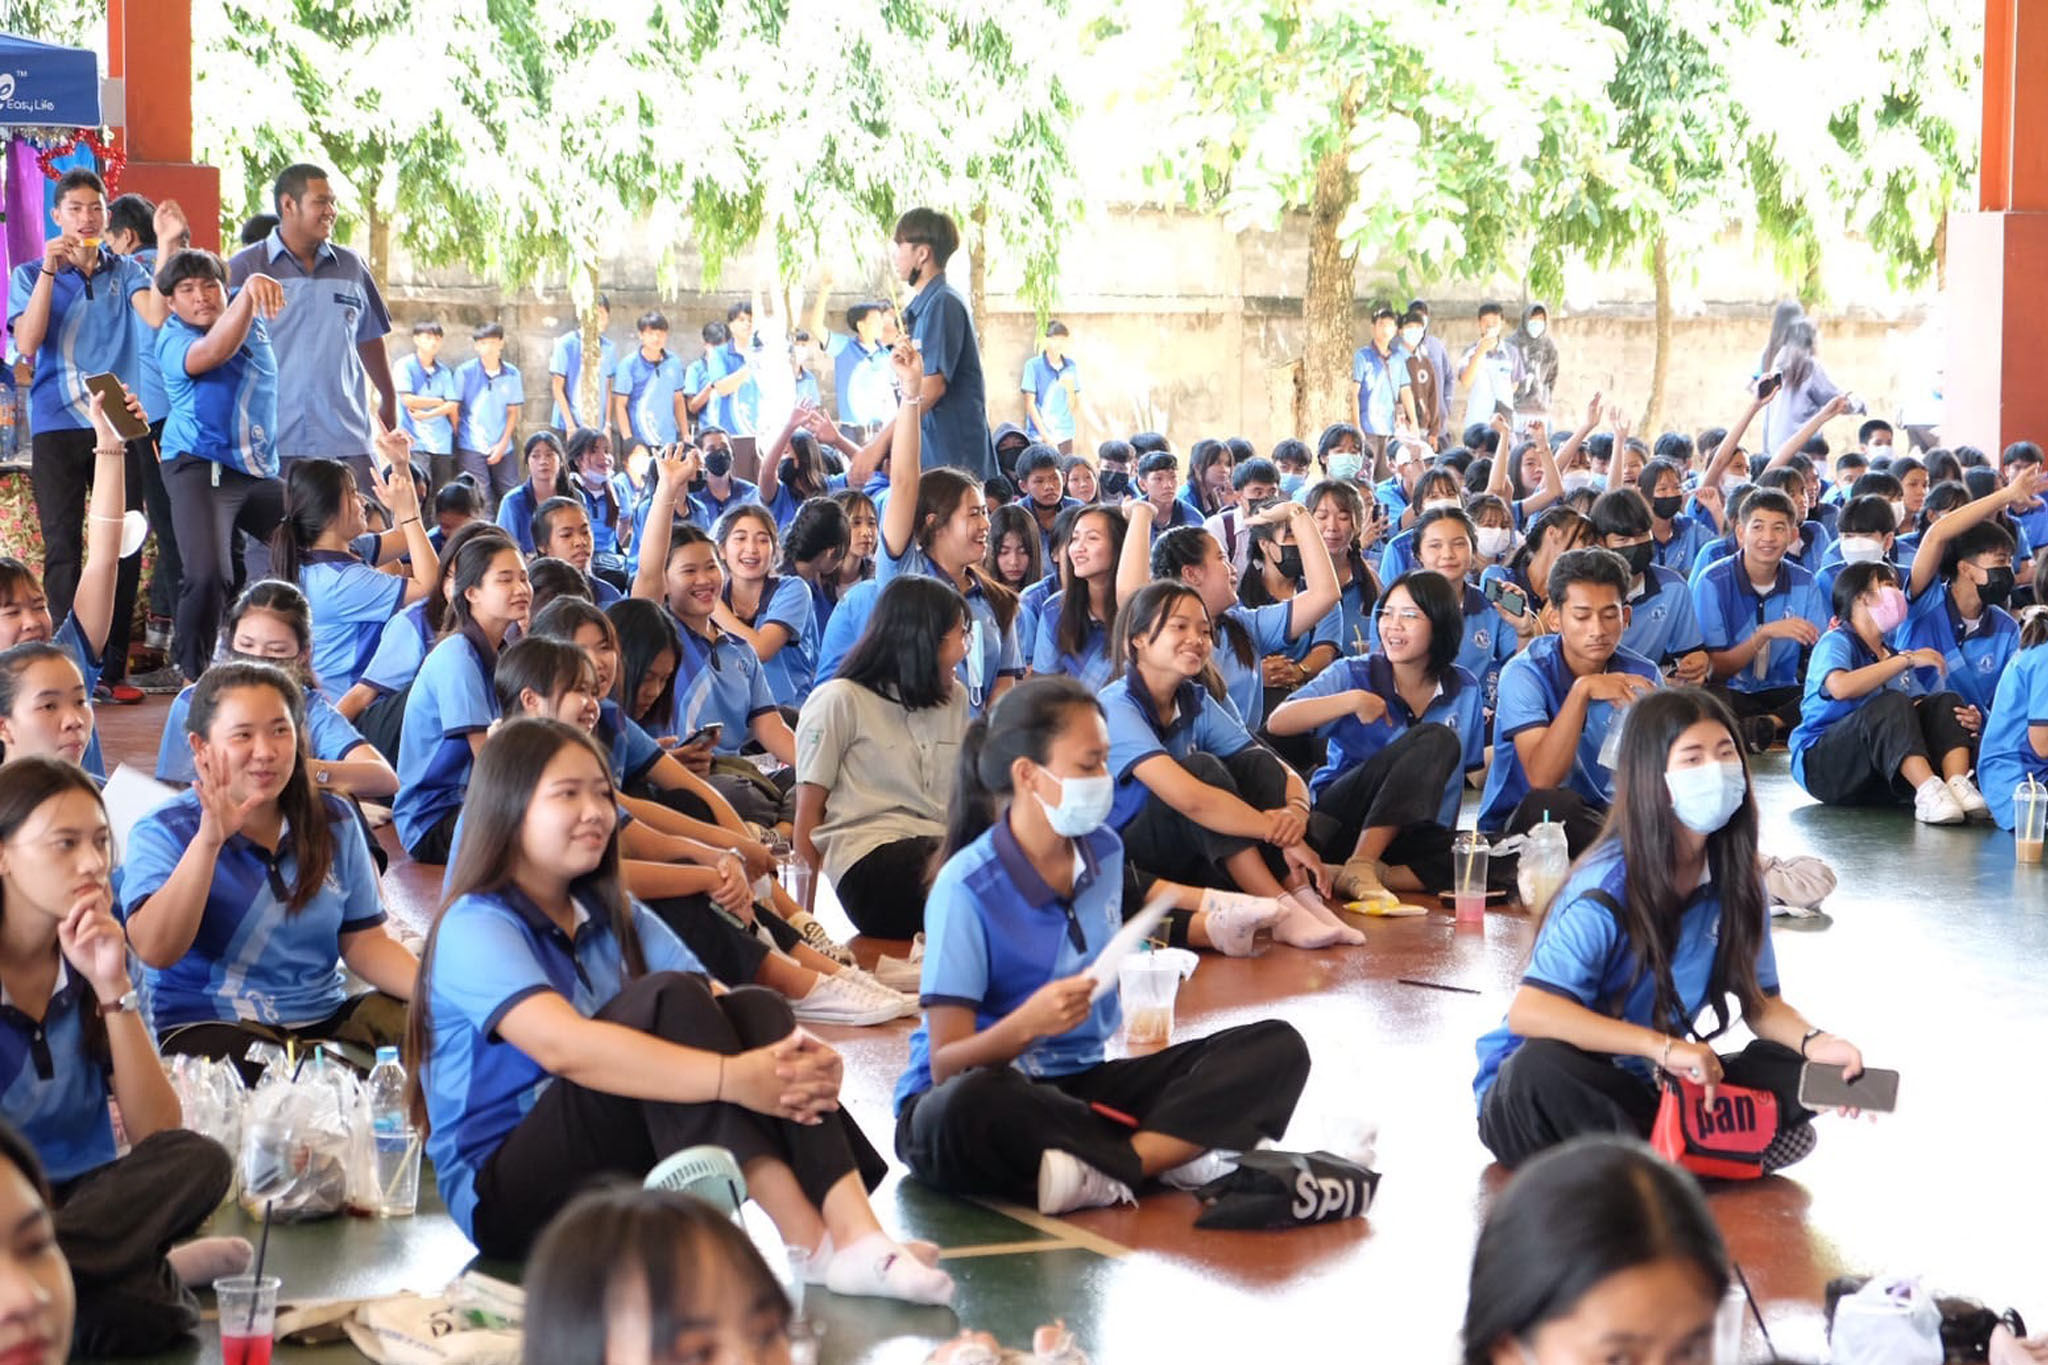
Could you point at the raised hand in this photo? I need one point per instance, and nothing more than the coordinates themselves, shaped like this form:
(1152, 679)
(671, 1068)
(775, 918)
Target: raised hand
(266, 296)
(103, 425)
(92, 942)
(221, 817)
(907, 365)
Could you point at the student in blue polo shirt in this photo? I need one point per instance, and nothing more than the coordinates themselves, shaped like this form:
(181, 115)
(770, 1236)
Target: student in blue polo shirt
(1437, 488)
(1554, 532)
(45, 704)
(1870, 732)
(245, 894)
(1052, 382)
(1044, 487)
(1759, 614)
(72, 1039)
(817, 540)
(721, 490)
(561, 530)
(647, 390)
(1865, 536)
(953, 395)
(1661, 624)
(1339, 512)
(1021, 562)
(318, 546)
(1275, 574)
(493, 393)
(1008, 1077)
(1959, 586)
(428, 400)
(547, 476)
(563, 1033)
(1592, 1024)
(1443, 545)
(2018, 460)
(2015, 743)
(451, 705)
(712, 380)
(1814, 541)
(1404, 725)
(797, 464)
(565, 373)
(1677, 538)
(1556, 701)
(860, 367)
(1078, 645)
(769, 612)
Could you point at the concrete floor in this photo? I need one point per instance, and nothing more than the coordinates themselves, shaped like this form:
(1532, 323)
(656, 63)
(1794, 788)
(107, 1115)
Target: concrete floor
(1929, 960)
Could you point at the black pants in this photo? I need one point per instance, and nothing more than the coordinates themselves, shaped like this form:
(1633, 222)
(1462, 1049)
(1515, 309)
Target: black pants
(1856, 763)
(60, 463)
(1401, 788)
(114, 1226)
(1549, 1092)
(438, 842)
(679, 799)
(731, 953)
(168, 572)
(1168, 844)
(883, 894)
(1779, 703)
(1581, 818)
(382, 722)
(984, 1131)
(211, 502)
(574, 1136)
(363, 1024)
(496, 480)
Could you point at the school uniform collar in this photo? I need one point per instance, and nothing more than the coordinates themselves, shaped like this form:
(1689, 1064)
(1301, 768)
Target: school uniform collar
(62, 990)
(1748, 589)
(536, 919)
(1475, 601)
(274, 245)
(1025, 878)
(331, 557)
(1962, 630)
(1187, 703)
(1553, 660)
(1379, 676)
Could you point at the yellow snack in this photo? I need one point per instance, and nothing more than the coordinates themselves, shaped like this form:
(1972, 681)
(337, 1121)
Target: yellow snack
(1392, 907)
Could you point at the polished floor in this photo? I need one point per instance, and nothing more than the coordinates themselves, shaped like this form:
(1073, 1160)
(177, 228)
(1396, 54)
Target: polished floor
(1931, 958)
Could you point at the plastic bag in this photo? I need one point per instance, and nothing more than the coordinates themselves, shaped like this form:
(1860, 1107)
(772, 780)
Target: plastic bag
(475, 1321)
(299, 1141)
(210, 1095)
(1270, 1189)
(1892, 1320)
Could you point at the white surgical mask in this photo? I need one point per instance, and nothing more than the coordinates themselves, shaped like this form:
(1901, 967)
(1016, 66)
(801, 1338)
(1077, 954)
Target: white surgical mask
(1495, 541)
(1411, 337)
(1577, 479)
(1862, 549)
(1432, 504)
(1083, 805)
(1535, 327)
(1899, 522)
(1704, 798)
(1343, 466)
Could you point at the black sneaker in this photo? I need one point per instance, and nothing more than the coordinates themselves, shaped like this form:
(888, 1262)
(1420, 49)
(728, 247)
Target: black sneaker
(1759, 733)
(166, 681)
(1791, 1144)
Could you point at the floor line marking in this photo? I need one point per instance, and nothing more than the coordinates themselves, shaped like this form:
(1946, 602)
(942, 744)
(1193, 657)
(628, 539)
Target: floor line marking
(1058, 1227)
(1007, 1249)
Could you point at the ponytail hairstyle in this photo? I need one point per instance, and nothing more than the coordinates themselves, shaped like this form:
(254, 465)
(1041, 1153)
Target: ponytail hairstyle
(1187, 547)
(819, 527)
(2034, 626)
(1023, 724)
(25, 784)
(1553, 521)
(545, 667)
(939, 495)
(1077, 613)
(1012, 519)
(289, 605)
(305, 811)
(1143, 617)
(644, 631)
(460, 498)
(435, 609)
(493, 816)
(316, 493)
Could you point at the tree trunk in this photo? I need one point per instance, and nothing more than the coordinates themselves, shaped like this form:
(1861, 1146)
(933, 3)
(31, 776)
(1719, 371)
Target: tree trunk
(380, 240)
(1941, 254)
(977, 267)
(593, 355)
(1660, 261)
(1325, 393)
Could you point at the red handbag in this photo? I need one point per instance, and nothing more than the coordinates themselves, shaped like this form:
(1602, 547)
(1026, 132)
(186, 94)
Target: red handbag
(1723, 1141)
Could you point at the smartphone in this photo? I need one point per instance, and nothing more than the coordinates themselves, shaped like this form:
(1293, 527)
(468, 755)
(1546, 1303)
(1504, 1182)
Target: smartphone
(1506, 596)
(1504, 412)
(703, 733)
(126, 423)
(1769, 385)
(1821, 1087)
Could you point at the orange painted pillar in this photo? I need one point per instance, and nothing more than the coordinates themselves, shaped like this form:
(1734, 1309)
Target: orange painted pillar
(149, 50)
(1998, 256)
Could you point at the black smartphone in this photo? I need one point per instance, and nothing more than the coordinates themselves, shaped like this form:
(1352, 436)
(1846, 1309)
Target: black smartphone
(1769, 385)
(703, 733)
(1821, 1087)
(126, 423)
(1504, 412)
(1506, 596)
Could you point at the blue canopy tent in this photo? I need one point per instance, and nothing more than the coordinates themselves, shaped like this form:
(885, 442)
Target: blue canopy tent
(46, 86)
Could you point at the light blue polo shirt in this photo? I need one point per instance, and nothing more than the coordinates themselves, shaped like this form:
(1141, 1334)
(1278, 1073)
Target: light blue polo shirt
(451, 699)
(228, 414)
(1091, 665)
(956, 427)
(1532, 691)
(156, 404)
(1379, 380)
(719, 680)
(1200, 724)
(1976, 655)
(567, 361)
(706, 507)
(487, 403)
(861, 380)
(605, 508)
(93, 330)
(351, 604)
(1661, 623)
(1047, 386)
(1583, 955)
(787, 603)
(1729, 612)
(1819, 709)
(784, 504)
(52, 1091)
(743, 404)
(516, 509)
(650, 387)
(995, 932)
(1268, 627)
(1680, 553)
(633, 751)
(1458, 705)
(1031, 606)
(401, 649)
(1487, 644)
(1399, 556)
(492, 951)
(993, 651)
(329, 736)
(323, 388)
(434, 435)
(2005, 755)
(252, 959)
(705, 371)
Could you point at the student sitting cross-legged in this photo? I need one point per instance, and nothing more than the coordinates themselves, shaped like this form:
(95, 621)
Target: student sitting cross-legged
(1008, 1092)
(1662, 921)
(562, 1033)
(1760, 614)
(2015, 747)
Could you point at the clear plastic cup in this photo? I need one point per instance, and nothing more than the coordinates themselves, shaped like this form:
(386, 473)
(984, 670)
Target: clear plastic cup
(398, 1172)
(1469, 857)
(1146, 987)
(248, 1314)
(799, 1268)
(798, 878)
(2029, 820)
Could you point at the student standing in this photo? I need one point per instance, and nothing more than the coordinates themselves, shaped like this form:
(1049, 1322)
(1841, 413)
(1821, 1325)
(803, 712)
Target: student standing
(953, 396)
(712, 380)
(861, 386)
(429, 401)
(565, 373)
(493, 394)
(649, 410)
(1052, 385)
(1759, 615)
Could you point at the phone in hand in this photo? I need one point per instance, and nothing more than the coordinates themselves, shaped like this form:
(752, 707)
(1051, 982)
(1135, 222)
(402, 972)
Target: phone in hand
(1768, 385)
(1504, 412)
(704, 734)
(127, 424)
(1821, 1087)
(1506, 596)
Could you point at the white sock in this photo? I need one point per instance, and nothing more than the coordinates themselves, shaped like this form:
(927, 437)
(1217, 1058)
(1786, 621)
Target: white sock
(877, 1267)
(202, 1261)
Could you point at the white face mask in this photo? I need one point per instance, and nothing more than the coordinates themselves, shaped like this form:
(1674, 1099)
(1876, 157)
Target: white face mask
(1411, 337)
(1862, 549)
(1534, 327)
(1899, 522)
(1083, 806)
(1494, 541)
(1706, 797)
(1433, 503)
(1577, 479)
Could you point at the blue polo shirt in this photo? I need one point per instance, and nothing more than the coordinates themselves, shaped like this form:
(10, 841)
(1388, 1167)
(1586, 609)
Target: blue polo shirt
(156, 404)
(1532, 691)
(995, 932)
(1268, 627)
(956, 427)
(1661, 623)
(1583, 955)
(1357, 627)
(351, 603)
(92, 331)
(784, 504)
(71, 640)
(2033, 523)
(1680, 553)
(434, 435)
(2005, 755)
(606, 507)
(252, 959)
(650, 387)
(567, 361)
(861, 380)
(1379, 381)
(492, 951)
(1977, 653)
(1729, 612)
(516, 509)
(1047, 386)
(329, 736)
(787, 602)
(1091, 665)
(1840, 649)
(487, 403)
(323, 388)
(743, 404)
(1399, 556)
(51, 1090)
(451, 699)
(1200, 724)
(1031, 607)
(702, 373)
(633, 751)
(719, 680)
(229, 413)
(401, 649)
(706, 507)
(1488, 642)
(1458, 705)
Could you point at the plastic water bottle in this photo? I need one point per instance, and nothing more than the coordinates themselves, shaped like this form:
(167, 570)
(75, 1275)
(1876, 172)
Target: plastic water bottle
(1546, 857)
(397, 1143)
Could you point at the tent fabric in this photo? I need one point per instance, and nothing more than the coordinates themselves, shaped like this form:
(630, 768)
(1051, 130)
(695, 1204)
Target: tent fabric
(43, 85)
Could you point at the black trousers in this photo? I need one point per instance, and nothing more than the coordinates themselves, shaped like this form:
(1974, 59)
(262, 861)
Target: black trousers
(1581, 818)
(678, 799)
(210, 502)
(382, 722)
(1856, 763)
(168, 572)
(496, 480)
(574, 1136)
(1779, 703)
(1402, 788)
(363, 1024)
(728, 951)
(1168, 844)
(984, 1131)
(114, 1226)
(1549, 1092)
(883, 894)
(60, 464)
(438, 842)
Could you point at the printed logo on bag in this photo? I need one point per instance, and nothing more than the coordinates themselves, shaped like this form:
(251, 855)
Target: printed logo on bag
(1731, 1115)
(1315, 1200)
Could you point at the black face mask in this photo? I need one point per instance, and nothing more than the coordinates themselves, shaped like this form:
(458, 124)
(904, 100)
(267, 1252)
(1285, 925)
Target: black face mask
(1638, 557)
(785, 473)
(1288, 562)
(1996, 587)
(1114, 483)
(718, 462)
(1666, 508)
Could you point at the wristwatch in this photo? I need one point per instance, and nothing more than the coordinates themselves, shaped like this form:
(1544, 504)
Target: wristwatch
(128, 1003)
(321, 774)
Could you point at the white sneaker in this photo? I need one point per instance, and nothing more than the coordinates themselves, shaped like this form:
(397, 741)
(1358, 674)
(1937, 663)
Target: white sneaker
(1969, 798)
(1240, 925)
(1192, 1175)
(1935, 804)
(1066, 1183)
(815, 937)
(846, 999)
(906, 1002)
(902, 973)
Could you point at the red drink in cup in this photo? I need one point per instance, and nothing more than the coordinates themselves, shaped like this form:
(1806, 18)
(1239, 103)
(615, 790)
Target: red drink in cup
(248, 1316)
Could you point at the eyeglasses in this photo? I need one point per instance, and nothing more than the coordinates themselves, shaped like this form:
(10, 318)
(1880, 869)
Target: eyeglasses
(1405, 615)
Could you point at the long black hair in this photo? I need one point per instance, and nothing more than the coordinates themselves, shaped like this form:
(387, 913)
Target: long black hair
(802, 470)
(897, 655)
(1023, 724)
(939, 495)
(1144, 616)
(25, 784)
(472, 565)
(1443, 606)
(1573, 1217)
(1203, 456)
(819, 527)
(315, 493)
(305, 811)
(1184, 548)
(1011, 519)
(1552, 521)
(436, 609)
(645, 631)
(1077, 610)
